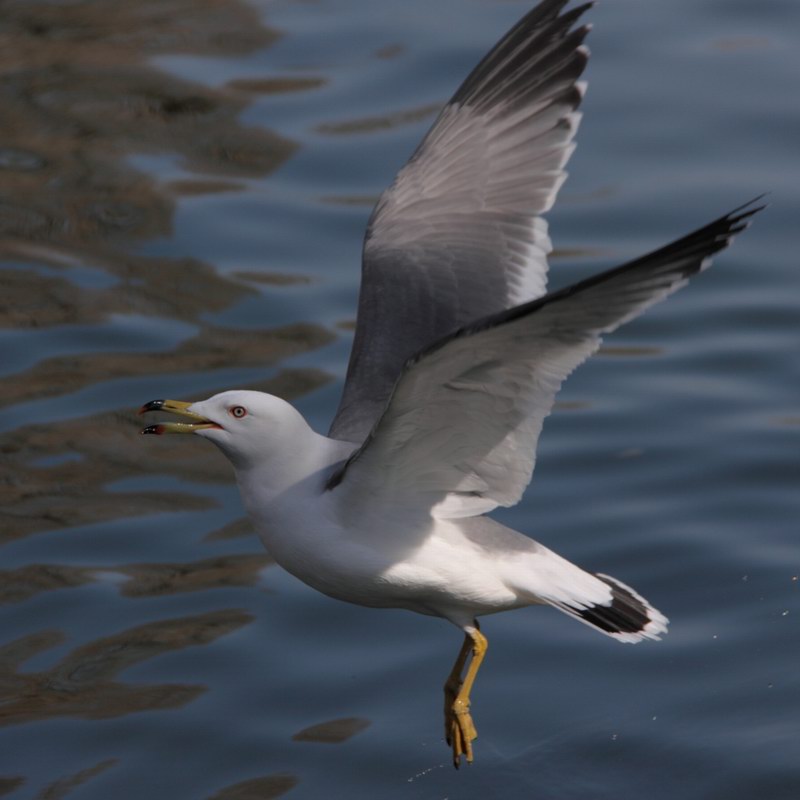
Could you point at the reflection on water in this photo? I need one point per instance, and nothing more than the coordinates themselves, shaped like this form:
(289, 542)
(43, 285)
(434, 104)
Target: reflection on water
(142, 580)
(9, 784)
(237, 529)
(274, 85)
(333, 731)
(211, 348)
(63, 786)
(81, 99)
(384, 122)
(175, 288)
(151, 580)
(257, 788)
(87, 99)
(23, 583)
(82, 683)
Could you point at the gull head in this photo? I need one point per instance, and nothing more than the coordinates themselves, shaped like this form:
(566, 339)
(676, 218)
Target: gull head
(247, 426)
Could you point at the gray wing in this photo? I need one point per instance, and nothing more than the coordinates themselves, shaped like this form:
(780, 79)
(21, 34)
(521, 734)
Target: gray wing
(458, 234)
(459, 434)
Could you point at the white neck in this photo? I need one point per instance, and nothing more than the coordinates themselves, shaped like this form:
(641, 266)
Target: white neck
(298, 463)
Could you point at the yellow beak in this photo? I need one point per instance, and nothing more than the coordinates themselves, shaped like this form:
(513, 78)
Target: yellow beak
(181, 409)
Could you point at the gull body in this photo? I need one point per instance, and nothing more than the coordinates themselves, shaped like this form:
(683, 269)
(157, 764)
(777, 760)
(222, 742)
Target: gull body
(416, 562)
(376, 555)
(457, 358)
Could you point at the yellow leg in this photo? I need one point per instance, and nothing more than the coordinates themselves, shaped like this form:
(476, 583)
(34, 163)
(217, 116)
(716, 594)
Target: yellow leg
(459, 728)
(452, 685)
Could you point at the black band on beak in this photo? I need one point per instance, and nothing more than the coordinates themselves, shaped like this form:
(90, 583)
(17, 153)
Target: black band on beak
(154, 429)
(153, 405)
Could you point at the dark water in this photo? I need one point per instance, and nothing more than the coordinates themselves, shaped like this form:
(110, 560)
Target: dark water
(185, 184)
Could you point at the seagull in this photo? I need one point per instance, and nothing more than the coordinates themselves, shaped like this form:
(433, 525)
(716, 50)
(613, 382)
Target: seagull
(458, 354)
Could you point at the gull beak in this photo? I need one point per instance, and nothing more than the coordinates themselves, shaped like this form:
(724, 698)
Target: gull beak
(196, 422)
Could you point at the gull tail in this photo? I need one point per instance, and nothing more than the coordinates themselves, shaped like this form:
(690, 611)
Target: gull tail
(623, 614)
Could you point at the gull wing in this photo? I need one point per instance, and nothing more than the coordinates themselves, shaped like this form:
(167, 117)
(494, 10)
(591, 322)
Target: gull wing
(459, 434)
(458, 234)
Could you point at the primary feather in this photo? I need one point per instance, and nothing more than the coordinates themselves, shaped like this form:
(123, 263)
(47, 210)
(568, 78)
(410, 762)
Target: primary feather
(459, 234)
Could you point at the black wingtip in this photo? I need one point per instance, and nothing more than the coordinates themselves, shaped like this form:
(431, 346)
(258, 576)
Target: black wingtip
(734, 222)
(758, 198)
(747, 210)
(704, 242)
(628, 618)
(627, 612)
(540, 48)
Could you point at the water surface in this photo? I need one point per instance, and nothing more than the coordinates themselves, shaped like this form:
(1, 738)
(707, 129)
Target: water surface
(185, 184)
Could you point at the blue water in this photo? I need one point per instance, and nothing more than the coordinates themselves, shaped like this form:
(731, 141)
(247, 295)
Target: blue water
(217, 177)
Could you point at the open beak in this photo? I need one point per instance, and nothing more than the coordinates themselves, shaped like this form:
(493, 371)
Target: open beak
(196, 422)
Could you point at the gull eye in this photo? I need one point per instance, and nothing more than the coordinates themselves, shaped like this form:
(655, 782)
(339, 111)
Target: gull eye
(238, 411)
